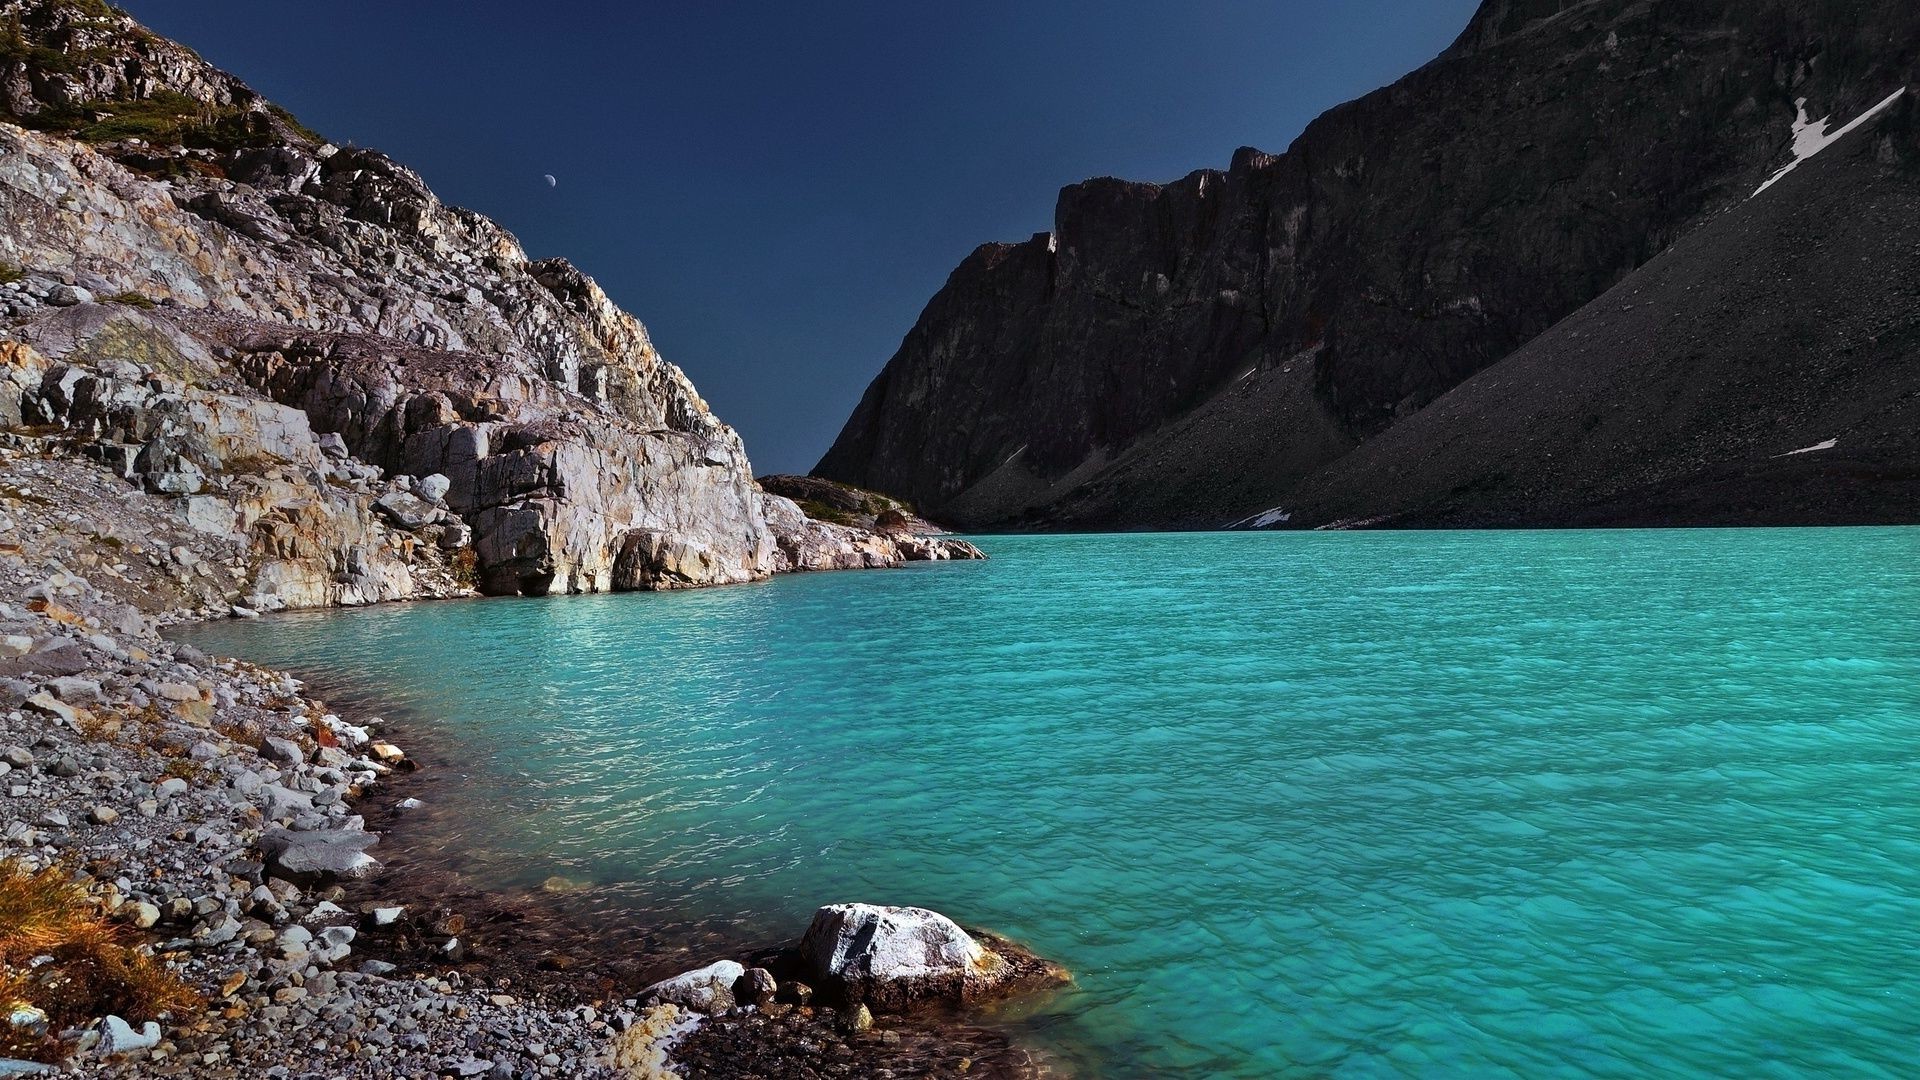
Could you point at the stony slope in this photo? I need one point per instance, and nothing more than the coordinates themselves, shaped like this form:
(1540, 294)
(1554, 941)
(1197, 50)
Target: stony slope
(1766, 370)
(205, 238)
(1183, 355)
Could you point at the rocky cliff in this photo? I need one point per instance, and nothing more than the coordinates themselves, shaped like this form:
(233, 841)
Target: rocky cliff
(1765, 369)
(198, 291)
(1187, 354)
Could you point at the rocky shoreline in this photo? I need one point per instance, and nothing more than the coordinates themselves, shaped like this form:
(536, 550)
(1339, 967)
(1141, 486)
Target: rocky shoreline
(245, 370)
(217, 813)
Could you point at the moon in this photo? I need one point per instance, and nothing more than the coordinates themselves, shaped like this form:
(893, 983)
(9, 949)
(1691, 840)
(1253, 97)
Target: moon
(551, 182)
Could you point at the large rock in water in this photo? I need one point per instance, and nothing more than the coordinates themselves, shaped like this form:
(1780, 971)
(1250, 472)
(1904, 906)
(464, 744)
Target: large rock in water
(895, 958)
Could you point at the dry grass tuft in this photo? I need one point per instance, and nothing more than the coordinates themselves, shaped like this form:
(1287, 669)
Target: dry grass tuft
(59, 953)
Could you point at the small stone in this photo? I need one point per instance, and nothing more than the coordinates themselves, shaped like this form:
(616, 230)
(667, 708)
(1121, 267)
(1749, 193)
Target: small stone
(707, 990)
(757, 987)
(45, 702)
(144, 914)
(118, 1037)
(859, 1019)
(175, 691)
(104, 815)
(282, 751)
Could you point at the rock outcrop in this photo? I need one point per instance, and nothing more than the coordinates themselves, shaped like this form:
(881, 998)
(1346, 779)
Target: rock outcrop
(218, 285)
(300, 526)
(806, 543)
(1186, 354)
(894, 959)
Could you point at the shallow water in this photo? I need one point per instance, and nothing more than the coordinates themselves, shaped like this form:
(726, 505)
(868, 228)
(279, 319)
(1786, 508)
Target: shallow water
(1520, 804)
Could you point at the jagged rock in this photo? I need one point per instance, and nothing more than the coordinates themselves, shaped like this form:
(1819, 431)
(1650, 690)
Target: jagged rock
(433, 488)
(809, 544)
(708, 990)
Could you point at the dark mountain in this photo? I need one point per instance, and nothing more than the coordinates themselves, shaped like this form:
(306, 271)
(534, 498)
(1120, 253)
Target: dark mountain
(1764, 370)
(1190, 354)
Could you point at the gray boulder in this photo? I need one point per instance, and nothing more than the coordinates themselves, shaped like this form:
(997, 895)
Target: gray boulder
(304, 857)
(278, 803)
(68, 296)
(406, 510)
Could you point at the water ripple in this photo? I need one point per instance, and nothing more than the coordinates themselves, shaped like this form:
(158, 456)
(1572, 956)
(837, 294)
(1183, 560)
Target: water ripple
(1516, 804)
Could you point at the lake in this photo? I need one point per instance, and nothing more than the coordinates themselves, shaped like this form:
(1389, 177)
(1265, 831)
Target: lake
(1530, 804)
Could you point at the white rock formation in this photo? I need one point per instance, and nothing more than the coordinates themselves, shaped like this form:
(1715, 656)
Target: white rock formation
(895, 957)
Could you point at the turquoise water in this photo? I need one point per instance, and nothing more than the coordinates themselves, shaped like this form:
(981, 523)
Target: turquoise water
(1498, 804)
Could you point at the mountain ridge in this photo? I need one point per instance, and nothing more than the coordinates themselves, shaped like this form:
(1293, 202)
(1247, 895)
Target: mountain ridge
(1180, 355)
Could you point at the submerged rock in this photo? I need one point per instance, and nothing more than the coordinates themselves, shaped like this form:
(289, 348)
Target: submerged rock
(896, 958)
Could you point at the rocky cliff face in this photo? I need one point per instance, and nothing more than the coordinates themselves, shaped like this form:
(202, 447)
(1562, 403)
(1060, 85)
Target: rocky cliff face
(1185, 354)
(192, 224)
(1766, 369)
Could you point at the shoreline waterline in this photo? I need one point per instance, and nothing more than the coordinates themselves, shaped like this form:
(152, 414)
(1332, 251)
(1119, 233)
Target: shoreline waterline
(1202, 772)
(571, 938)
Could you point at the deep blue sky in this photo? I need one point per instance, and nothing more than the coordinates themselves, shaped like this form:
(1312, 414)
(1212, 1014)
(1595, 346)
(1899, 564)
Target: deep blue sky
(777, 189)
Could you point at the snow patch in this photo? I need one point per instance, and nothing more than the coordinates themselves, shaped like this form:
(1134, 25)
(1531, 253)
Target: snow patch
(1266, 519)
(1811, 136)
(1815, 448)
